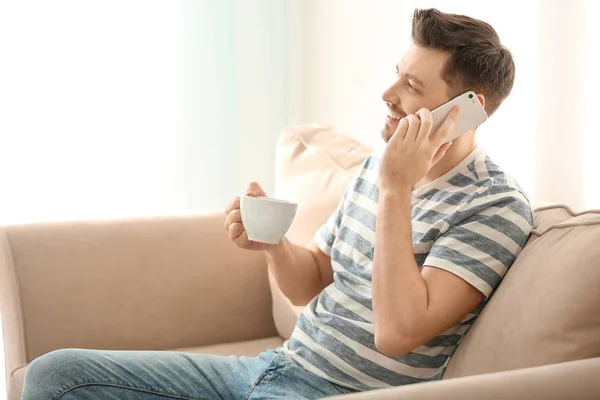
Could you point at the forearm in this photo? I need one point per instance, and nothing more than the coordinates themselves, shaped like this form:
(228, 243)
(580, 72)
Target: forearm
(399, 291)
(296, 271)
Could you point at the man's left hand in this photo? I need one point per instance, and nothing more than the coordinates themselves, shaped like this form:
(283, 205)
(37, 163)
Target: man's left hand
(412, 151)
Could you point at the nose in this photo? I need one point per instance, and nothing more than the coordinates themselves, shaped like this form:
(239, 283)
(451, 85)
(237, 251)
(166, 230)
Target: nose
(391, 96)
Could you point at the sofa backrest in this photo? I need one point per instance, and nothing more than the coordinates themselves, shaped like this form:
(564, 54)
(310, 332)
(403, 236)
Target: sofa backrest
(546, 310)
(143, 283)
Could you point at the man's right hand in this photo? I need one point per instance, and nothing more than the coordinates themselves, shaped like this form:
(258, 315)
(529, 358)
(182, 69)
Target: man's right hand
(235, 226)
(301, 272)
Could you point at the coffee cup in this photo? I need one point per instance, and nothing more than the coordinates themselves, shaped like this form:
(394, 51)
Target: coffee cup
(265, 219)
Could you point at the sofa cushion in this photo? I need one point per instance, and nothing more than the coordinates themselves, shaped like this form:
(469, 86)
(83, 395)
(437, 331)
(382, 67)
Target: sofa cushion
(15, 383)
(248, 348)
(547, 309)
(139, 283)
(315, 164)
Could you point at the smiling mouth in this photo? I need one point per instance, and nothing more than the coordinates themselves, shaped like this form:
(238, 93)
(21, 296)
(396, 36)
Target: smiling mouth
(394, 116)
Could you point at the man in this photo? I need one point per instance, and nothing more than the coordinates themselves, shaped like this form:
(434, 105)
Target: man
(393, 280)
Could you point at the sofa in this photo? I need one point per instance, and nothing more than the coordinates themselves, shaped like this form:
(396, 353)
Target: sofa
(176, 283)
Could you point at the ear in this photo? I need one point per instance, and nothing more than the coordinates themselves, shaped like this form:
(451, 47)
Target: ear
(481, 98)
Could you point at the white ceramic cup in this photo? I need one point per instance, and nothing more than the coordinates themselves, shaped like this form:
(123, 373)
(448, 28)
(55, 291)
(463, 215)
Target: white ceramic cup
(266, 220)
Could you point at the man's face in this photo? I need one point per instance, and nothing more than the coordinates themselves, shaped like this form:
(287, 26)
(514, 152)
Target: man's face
(419, 85)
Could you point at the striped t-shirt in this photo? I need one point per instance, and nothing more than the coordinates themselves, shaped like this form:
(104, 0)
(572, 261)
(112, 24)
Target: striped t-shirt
(472, 222)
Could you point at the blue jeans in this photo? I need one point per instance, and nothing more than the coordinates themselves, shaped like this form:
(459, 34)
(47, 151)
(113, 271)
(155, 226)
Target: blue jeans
(152, 375)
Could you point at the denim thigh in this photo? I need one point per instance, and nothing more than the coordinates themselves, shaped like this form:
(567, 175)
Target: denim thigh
(71, 374)
(77, 374)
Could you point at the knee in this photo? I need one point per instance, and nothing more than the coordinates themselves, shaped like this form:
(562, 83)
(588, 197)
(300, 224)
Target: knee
(50, 373)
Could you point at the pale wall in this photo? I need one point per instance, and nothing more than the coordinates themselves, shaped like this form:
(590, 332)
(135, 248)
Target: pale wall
(350, 48)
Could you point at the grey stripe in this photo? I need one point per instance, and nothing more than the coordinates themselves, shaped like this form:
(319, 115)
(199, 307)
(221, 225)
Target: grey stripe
(442, 196)
(350, 356)
(510, 202)
(444, 341)
(478, 268)
(323, 364)
(484, 244)
(332, 225)
(367, 339)
(479, 308)
(494, 172)
(337, 218)
(516, 203)
(334, 307)
(372, 163)
(362, 215)
(473, 169)
(429, 216)
(327, 236)
(431, 235)
(356, 241)
(470, 321)
(420, 258)
(423, 361)
(342, 287)
(367, 189)
(461, 180)
(350, 265)
(464, 215)
(523, 209)
(498, 177)
(503, 225)
(349, 278)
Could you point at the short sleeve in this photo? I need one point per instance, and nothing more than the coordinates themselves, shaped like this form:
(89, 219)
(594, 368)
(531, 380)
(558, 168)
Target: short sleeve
(326, 235)
(485, 238)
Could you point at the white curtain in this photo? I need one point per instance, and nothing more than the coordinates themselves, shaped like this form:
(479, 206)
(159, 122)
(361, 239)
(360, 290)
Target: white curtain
(117, 108)
(232, 98)
(88, 105)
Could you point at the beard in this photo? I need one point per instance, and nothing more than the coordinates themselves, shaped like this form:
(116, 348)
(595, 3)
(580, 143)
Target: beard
(391, 123)
(386, 133)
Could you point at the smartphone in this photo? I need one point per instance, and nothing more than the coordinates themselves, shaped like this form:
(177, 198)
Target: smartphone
(471, 114)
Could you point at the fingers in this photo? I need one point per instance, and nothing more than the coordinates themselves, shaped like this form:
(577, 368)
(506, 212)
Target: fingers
(254, 190)
(233, 205)
(442, 134)
(233, 217)
(401, 129)
(236, 230)
(242, 241)
(426, 123)
(413, 127)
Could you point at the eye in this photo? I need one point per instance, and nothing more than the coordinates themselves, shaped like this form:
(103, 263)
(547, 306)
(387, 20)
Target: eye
(411, 88)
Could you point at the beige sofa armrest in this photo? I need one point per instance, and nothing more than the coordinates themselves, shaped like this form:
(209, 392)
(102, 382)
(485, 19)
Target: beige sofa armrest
(569, 380)
(145, 283)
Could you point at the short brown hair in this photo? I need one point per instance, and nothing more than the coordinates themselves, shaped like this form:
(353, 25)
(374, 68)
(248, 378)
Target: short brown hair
(478, 61)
